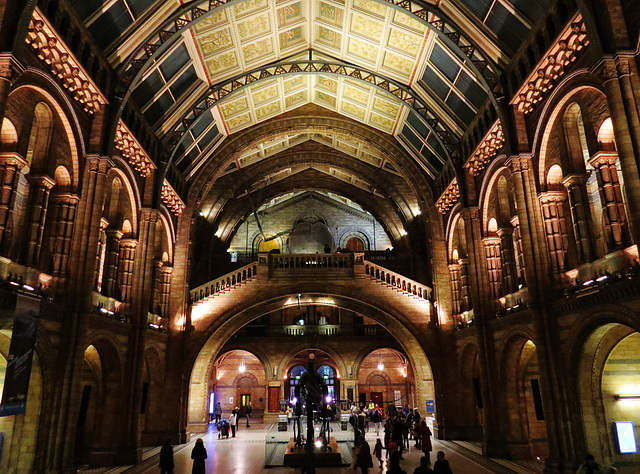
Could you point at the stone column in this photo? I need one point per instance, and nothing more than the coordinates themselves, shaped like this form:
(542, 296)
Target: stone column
(98, 276)
(494, 265)
(10, 166)
(39, 189)
(466, 303)
(626, 127)
(165, 290)
(111, 262)
(125, 272)
(614, 215)
(454, 274)
(519, 255)
(555, 226)
(60, 241)
(509, 278)
(579, 205)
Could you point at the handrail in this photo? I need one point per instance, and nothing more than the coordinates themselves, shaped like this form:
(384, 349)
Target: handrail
(397, 281)
(224, 282)
(312, 260)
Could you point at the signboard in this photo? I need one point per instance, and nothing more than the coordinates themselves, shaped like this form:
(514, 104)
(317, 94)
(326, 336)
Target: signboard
(430, 406)
(626, 436)
(23, 340)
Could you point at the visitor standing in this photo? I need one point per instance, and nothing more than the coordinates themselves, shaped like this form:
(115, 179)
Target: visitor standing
(425, 440)
(166, 458)
(217, 411)
(248, 411)
(441, 465)
(199, 454)
(233, 418)
(377, 451)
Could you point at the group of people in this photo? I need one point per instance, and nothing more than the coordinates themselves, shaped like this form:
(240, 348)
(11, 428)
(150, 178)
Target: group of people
(399, 427)
(234, 418)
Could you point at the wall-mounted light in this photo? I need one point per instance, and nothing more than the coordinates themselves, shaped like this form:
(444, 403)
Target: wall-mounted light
(242, 367)
(380, 366)
(635, 398)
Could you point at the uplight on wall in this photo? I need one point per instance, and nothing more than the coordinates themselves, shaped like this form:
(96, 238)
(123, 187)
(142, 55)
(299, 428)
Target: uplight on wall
(380, 366)
(632, 398)
(242, 367)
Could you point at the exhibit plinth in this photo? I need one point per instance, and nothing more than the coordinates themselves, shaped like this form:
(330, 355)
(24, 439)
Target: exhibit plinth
(297, 457)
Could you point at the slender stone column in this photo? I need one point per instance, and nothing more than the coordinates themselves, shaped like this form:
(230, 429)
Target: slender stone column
(40, 187)
(579, 204)
(125, 272)
(466, 303)
(165, 290)
(10, 166)
(456, 290)
(60, 241)
(614, 215)
(555, 226)
(509, 283)
(519, 254)
(111, 262)
(494, 265)
(98, 276)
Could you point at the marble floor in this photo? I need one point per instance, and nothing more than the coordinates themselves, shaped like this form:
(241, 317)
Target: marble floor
(246, 454)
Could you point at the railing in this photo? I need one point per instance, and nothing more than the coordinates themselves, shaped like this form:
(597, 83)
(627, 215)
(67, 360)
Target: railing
(312, 260)
(397, 281)
(224, 282)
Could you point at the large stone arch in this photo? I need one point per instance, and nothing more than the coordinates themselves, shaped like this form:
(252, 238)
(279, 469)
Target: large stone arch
(216, 335)
(357, 363)
(593, 339)
(255, 351)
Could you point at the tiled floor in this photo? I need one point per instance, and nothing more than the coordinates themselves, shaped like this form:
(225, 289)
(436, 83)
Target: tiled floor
(245, 454)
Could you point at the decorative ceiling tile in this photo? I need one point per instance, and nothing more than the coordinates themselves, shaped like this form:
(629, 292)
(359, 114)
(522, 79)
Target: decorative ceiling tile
(222, 62)
(325, 99)
(363, 50)
(371, 7)
(295, 83)
(382, 122)
(237, 122)
(259, 49)
(356, 94)
(235, 107)
(366, 26)
(216, 41)
(405, 42)
(254, 26)
(353, 110)
(407, 21)
(248, 7)
(386, 107)
(397, 63)
(293, 37)
(268, 110)
(215, 20)
(329, 13)
(297, 99)
(265, 94)
(290, 14)
(327, 83)
(328, 37)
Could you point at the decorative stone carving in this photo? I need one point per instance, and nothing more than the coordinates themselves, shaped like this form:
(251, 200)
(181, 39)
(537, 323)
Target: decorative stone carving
(555, 64)
(132, 150)
(50, 48)
(171, 198)
(449, 197)
(487, 149)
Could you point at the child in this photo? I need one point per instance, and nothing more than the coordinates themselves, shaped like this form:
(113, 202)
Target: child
(377, 451)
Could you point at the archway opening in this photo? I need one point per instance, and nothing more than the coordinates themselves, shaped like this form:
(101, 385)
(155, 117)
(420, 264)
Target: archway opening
(385, 379)
(609, 391)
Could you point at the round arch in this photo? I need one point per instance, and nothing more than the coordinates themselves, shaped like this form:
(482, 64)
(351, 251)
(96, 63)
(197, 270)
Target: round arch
(218, 334)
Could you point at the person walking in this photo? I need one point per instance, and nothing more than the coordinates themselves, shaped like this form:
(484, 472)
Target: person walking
(441, 465)
(233, 418)
(217, 411)
(248, 411)
(363, 459)
(166, 458)
(377, 451)
(377, 419)
(199, 454)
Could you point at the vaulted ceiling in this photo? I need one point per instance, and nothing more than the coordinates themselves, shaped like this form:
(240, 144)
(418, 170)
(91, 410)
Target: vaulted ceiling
(414, 72)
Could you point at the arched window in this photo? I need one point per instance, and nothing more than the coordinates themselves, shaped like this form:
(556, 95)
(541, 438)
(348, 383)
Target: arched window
(40, 134)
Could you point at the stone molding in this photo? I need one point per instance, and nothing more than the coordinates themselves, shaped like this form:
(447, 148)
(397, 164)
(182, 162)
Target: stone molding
(132, 150)
(554, 64)
(449, 197)
(487, 150)
(52, 50)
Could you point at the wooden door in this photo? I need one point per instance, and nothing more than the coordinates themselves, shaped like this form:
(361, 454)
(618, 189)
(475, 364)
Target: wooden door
(274, 399)
(377, 399)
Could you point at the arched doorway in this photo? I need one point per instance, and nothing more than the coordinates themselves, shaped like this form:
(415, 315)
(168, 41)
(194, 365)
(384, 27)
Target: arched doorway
(385, 379)
(525, 413)
(354, 244)
(324, 366)
(238, 379)
(609, 391)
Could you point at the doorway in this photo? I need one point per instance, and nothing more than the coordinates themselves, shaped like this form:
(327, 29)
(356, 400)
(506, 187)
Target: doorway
(245, 399)
(377, 398)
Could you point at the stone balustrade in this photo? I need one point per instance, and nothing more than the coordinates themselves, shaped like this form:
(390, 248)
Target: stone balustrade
(224, 282)
(397, 281)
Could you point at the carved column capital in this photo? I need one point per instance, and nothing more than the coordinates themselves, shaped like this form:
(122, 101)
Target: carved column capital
(575, 179)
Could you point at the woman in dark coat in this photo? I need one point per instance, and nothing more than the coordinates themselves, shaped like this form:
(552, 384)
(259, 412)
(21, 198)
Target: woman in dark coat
(166, 458)
(199, 454)
(425, 440)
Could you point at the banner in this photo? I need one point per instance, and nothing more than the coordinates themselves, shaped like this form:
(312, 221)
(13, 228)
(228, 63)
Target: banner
(16, 381)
